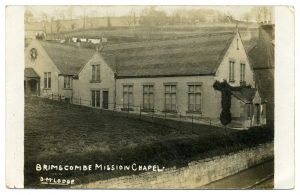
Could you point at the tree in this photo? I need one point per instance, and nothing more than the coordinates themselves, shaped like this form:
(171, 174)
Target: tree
(58, 26)
(70, 12)
(44, 21)
(262, 13)
(84, 17)
(246, 17)
(152, 17)
(226, 90)
(51, 24)
(73, 25)
(28, 15)
(40, 36)
(225, 116)
(131, 18)
(62, 15)
(108, 22)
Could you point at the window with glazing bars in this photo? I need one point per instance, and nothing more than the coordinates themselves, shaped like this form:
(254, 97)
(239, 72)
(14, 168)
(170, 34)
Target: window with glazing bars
(231, 71)
(170, 97)
(148, 97)
(127, 96)
(194, 98)
(242, 72)
(67, 82)
(95, 72)
(95, 98)
(47, 80)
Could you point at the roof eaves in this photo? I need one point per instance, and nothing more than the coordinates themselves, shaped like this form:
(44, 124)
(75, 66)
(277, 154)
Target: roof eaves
(157, 76)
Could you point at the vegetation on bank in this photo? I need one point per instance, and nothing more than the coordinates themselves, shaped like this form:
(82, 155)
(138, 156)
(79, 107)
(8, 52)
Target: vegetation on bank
(63, 131)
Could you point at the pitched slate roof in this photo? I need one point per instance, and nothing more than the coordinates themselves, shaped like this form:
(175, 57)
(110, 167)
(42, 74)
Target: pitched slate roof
(30, 73)
(68, 59)
(265, 84)
(246, 95)
(262, 60)
(199, 55)
(192, 56)
(262, 54)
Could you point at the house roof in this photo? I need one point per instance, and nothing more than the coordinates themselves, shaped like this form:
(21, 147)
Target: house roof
(200, 55)
(246, 95)
(262, 54)
(68, 59)
(262, 60)
(265, 83)
(191, 56)
(30, 73)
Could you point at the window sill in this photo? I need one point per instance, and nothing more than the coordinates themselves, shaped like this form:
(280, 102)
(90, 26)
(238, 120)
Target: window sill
(193, 112)
(92, 81)
(170, 111)
(243, 83)
(147, 110)
(126, 109)
(46, 88)
(67, 88)
(231, 81)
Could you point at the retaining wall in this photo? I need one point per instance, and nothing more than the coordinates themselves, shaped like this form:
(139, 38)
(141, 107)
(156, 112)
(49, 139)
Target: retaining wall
(195, 175)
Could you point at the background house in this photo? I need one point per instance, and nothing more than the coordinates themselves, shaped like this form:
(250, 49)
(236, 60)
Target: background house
(262, 59)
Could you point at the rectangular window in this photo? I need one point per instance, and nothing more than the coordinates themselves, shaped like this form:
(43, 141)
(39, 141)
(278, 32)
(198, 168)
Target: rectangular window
(95, 98)
(242, 73)
(148, 97)
(170, 98)
(47, 80)
(67, 82)
(231, 71)
(127, 96)
(95, 72)
(194, 98)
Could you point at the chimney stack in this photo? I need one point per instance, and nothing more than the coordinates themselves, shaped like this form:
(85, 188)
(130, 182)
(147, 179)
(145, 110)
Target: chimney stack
(266, 29)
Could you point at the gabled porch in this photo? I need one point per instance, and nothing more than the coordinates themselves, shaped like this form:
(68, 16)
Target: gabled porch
(252, 110)
(31, 82)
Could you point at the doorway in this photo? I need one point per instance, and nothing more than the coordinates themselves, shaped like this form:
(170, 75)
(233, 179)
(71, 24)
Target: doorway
(105, 100)
(31, 87)
(257, 113)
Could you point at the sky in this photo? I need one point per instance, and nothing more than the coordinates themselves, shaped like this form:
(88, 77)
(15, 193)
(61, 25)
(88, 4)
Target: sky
(102, 11)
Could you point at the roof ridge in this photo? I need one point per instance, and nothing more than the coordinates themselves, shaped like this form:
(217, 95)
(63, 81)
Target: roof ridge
(65, 45)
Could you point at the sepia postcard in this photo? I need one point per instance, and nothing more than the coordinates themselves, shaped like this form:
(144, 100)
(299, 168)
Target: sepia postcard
(150, 97)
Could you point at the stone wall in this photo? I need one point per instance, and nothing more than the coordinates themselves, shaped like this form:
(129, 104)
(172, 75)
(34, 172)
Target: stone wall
(195, 175)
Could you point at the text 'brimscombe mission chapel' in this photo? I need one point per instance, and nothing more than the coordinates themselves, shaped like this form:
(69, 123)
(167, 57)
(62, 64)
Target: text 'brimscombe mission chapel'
(173, 76)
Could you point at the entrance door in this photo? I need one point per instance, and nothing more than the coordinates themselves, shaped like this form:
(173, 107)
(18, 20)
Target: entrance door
(105, 100)
(32, 84)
